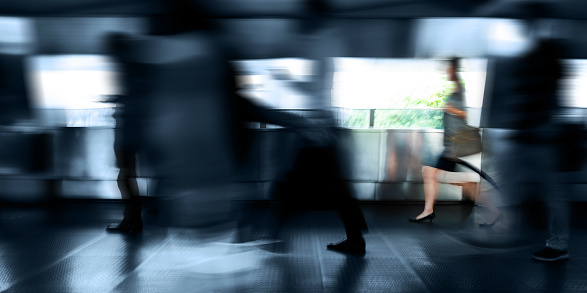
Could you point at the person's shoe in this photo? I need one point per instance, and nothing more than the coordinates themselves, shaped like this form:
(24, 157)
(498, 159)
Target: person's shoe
(489, 225)
(550, 254)
(355, 247)
(420, 220)
(127, 227)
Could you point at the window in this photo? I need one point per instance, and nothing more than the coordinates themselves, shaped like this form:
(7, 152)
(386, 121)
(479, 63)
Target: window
(275, 83)
(270, 81)
(573, 91)
(401, 93)
(573, 87)
(72, 89)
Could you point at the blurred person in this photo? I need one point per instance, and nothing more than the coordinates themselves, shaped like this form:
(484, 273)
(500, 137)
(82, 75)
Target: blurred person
(455, 118)
(196, 164)
(315, 180)
(128, 138)
(544, 145)
(192, 121)
(542, 140)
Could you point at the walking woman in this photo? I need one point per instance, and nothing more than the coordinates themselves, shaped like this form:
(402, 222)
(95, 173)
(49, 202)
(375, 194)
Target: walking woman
(455, 117)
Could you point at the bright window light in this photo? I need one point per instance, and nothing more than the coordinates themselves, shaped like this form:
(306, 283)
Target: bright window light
(274, 82)
(417, 85)
(72, 81)
(573, 87)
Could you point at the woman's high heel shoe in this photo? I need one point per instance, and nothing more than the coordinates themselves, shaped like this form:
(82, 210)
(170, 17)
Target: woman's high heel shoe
(489, 225)
(420, 220)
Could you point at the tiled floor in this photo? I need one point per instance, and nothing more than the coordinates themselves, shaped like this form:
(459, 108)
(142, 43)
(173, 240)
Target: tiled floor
(65, 249)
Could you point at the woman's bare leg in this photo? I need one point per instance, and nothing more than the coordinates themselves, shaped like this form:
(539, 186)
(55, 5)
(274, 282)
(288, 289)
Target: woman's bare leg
(470, 189)
(430, 190)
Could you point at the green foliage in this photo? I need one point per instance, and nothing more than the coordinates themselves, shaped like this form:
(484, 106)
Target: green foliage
(435, 101)
(357, 119)
(408, 119)
(405, 118)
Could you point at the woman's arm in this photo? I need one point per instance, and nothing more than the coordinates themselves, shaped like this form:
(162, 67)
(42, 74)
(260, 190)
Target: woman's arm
(455, 111)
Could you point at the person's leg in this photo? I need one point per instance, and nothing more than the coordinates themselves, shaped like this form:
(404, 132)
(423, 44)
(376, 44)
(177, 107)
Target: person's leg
(557, 205)
(569, 151)
(353, 219)
(129, 190)
(430, 190)
(558, 225)
(557, 243)
(282, 193)
(354, 223)
(471, 191)
(558, 217)
(337, 195)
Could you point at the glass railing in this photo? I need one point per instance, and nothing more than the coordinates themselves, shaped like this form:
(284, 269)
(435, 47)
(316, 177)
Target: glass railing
(429, 118)
(420, 118)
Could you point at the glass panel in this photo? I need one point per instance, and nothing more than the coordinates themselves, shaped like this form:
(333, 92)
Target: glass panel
(78, 87)
(405, 93)
(354, 118)
(573, 86)
(275, 83)
(408, 118)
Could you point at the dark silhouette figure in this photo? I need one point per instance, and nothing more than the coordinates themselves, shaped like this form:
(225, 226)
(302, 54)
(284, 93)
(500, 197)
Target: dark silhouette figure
(182, 96)
(315, 180)
(128, 140)
(544, 145)
(545, 138)
(163, 98)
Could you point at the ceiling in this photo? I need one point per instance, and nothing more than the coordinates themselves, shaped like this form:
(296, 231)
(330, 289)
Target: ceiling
(245, 8)
(573, 9)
